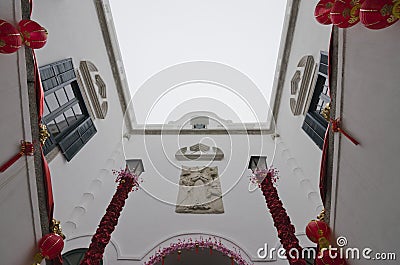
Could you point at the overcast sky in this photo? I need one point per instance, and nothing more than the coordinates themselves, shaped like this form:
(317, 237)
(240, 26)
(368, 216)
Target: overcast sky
(157, 34)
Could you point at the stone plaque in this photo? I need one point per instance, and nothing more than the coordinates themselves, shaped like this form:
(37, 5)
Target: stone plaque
(199, 191)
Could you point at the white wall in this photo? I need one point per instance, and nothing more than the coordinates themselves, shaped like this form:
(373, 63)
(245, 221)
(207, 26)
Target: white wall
(367, 208)
(20, 224)
(74, 31)
(300, 156)
(84, 186)
(246, 221)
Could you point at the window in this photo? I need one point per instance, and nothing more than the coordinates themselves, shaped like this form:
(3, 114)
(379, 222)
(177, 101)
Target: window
(310, 254)
(64, 111)
(258, 162)
(314, 123)
(74, 257)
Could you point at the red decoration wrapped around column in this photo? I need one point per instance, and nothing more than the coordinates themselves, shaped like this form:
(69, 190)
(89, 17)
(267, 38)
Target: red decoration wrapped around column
(346, 13)
(127, 182)
(329, 257)
(286, 231)
(379, 14)
(34, 35)
(10, 39)
(322, 11)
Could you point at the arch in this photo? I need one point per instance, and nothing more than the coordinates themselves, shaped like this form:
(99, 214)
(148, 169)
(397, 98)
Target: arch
(196, 241)
(75, 256)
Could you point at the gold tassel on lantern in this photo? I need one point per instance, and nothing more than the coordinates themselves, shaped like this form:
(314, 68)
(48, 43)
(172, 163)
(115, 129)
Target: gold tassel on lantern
(38, 259)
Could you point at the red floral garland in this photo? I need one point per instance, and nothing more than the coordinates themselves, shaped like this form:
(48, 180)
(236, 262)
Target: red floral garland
(127, 182)
(281, 219)
(189, 244)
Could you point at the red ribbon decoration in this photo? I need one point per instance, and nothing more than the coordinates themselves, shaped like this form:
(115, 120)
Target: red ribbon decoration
(101, 238)
(46, 170)
(324, 159)
(336, 128)
(26, 149)
(323, 168)
(286, 231)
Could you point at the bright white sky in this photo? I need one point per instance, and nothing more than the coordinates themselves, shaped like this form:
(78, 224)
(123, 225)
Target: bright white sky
(156, 34)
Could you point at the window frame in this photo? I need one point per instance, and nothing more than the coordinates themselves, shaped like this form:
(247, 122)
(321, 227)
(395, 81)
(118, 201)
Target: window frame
(314, 124)
(79, 252)
(55, 77)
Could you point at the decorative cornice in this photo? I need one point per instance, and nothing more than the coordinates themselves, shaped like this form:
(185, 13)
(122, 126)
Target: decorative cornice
(199, 152)
(202, 132)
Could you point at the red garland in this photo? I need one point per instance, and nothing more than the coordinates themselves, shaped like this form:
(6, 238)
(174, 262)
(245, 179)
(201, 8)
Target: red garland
(101, 238)
(281, 219)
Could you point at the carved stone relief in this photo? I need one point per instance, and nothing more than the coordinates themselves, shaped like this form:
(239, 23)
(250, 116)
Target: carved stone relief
(199, 191)
(199, 152)
(96, 88)
(300, 84)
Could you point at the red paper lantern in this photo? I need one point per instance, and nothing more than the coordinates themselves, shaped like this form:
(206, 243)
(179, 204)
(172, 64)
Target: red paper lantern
(379, 14)
(34, 35)
(323, 10)
(317, 230)
(346, 13)
(51, 245)
(329, 257)
(10, 39)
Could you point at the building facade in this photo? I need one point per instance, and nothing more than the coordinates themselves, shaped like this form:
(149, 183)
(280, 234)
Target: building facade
(195, 169)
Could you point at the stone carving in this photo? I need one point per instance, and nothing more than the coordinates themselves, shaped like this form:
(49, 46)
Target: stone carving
(300, 84)
(199, 191)
(199, 152)
(95, 87)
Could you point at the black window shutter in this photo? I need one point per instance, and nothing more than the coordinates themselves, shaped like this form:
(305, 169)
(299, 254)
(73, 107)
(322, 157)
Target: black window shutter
(314, 129)
(76, 139)
(57, 74)
(49, 145)
(314, 124)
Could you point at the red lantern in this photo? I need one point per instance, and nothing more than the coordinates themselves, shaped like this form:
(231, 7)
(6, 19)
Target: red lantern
(318, 231)
(34, 35)
(51, 245)
(379, 14)
(10, 39)
(345, 14)
(329, 257)
(323, 10)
